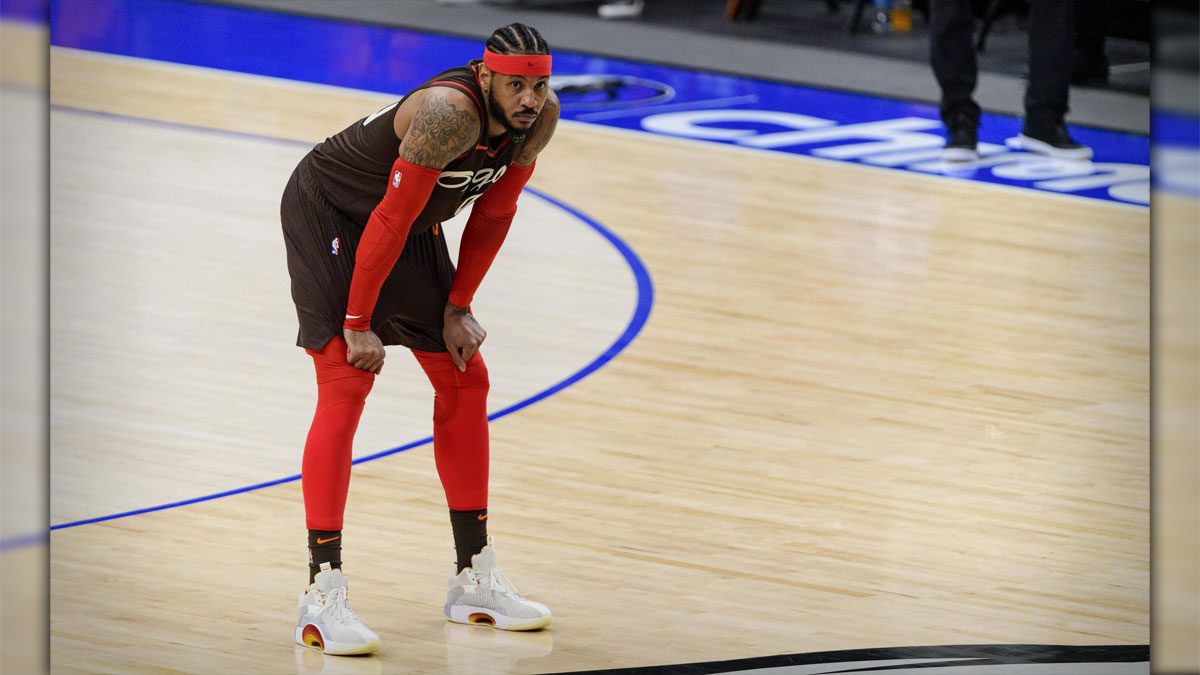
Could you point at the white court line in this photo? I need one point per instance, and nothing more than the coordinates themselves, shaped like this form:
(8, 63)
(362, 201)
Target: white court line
(666, 107)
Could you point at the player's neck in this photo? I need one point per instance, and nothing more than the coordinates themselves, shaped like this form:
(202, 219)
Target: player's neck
(495, 129)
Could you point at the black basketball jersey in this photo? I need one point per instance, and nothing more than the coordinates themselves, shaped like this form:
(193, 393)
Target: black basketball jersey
(352, 168)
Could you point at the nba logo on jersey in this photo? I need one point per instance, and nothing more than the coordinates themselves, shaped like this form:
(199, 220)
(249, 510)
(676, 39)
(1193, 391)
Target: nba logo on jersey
(396, 180)
(333, 248)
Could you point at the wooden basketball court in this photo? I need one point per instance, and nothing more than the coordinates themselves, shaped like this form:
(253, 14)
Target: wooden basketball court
(868, 408)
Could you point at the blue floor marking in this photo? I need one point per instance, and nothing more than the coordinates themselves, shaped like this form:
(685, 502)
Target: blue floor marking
(31, 12)
(641, 313)
(1176, 139)
(850, 127)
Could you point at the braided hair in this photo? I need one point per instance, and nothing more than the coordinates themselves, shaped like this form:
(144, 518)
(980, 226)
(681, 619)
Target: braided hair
(517, 38)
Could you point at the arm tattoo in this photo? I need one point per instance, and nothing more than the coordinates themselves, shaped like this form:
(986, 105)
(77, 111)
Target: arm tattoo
(539, 135)
(439, 132)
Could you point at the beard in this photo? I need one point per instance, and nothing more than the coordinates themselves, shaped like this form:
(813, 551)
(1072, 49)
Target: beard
(497, 113)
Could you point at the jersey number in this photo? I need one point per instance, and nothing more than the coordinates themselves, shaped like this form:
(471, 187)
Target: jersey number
(467, 202)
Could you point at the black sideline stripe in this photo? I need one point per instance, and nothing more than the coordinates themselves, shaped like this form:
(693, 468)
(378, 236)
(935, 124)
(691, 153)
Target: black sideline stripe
(981, 655)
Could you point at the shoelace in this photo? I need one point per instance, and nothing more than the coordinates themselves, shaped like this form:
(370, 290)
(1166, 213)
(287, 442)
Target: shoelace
(337, 604)
(497, 582)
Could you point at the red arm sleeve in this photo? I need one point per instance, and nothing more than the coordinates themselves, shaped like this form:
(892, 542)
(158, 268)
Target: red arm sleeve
(491, 216)
(383, 239)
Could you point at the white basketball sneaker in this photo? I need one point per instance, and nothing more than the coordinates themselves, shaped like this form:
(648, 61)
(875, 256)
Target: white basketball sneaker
(482, 595)
(326, 621)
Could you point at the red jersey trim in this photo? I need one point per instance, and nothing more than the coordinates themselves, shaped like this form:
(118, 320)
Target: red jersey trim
(464, 87)
(499, 147)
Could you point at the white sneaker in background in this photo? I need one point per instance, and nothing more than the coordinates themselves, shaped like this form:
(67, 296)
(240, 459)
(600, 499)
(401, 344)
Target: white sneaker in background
(326, 621)
(482, 595)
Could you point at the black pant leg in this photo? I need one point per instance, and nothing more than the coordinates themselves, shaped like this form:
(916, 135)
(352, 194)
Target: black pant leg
(1051, 30)
(1091, 28)
(952, 55)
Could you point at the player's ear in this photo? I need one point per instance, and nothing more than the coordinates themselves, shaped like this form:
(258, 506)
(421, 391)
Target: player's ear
(485, 77)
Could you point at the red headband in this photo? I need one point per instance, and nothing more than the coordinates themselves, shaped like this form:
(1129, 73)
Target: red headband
(537, 65)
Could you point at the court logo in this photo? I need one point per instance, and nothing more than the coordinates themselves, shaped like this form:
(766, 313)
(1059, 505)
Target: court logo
(910, 143)
(589, 92)
(335, 245)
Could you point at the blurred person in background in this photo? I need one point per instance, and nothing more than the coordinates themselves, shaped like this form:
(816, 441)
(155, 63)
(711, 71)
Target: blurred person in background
(1090, 66)
(1051, 50)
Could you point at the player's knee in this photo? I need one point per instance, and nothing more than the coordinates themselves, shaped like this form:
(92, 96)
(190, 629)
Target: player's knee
(445, 404)
(449, 381)
(476, 376)
(352, 388)
(457, 391)
(337, 380)
(359, 386)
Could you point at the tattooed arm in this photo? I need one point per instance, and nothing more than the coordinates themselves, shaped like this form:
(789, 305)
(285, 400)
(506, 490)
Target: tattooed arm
(436, 125)
(539, 136)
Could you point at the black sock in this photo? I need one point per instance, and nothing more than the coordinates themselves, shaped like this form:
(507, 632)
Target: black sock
(470, 534)
(324, 546)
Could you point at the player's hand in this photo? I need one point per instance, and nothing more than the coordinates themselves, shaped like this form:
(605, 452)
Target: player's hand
(462, 334)
(364, 349)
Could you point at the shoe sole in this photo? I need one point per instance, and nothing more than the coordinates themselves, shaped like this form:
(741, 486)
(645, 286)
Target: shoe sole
(481, 616)
(1043, 148)
(959, 155)
(310, 636)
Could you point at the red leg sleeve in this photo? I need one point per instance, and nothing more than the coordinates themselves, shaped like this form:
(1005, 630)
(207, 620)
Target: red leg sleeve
(460, 428)
(341, 393)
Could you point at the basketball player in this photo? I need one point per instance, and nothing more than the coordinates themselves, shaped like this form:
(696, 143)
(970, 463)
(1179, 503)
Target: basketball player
(367, 256)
